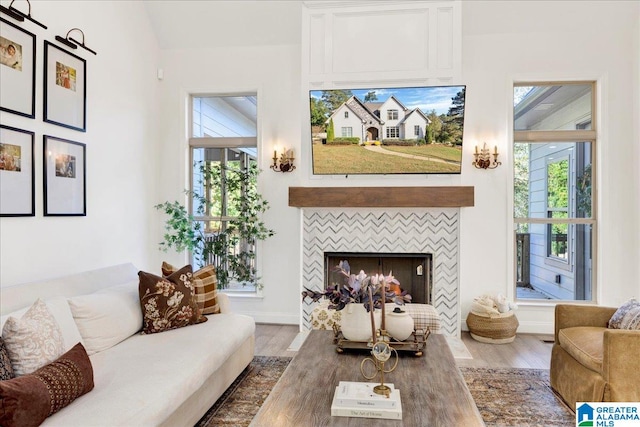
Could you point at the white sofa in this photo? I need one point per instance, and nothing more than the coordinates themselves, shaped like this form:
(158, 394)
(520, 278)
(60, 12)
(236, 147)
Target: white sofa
(165, 379)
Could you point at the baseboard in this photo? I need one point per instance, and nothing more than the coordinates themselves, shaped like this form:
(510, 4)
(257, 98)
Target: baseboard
(276, 318)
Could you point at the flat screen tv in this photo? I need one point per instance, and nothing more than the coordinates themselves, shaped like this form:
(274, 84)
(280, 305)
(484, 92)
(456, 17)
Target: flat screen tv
(408, 130)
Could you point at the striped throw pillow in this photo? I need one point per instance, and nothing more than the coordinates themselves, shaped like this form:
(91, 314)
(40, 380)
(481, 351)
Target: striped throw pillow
(206, 285)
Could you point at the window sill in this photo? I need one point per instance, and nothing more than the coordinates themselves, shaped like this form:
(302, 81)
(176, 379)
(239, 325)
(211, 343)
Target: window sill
(550, 303)
(233, 294)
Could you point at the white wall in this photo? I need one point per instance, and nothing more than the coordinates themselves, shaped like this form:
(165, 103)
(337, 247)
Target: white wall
(505, 42)
(121, 152)
(137, 149)
(273, 73)
(502, 42)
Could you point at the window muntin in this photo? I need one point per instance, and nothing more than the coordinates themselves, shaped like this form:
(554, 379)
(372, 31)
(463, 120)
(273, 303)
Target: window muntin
(416, 130)
(347, 132)
(392, 114)
(554, 150)
(393, 132)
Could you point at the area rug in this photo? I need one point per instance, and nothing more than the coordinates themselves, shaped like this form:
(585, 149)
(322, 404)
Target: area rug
(505, 397)
(516, 397)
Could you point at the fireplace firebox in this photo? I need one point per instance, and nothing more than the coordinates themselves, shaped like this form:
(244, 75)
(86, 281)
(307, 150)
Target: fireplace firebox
(412, 270)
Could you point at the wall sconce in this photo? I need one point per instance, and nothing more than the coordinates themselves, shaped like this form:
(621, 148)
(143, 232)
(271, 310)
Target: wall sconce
(482, 159)
(284, 163)
(18, 15)
(73, 43)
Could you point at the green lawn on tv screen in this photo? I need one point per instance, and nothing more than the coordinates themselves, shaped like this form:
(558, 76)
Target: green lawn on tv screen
(354, 159)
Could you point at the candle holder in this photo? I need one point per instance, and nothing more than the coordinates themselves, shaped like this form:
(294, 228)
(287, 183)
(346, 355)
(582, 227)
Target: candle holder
(370, 367)
(482, 158)
(284, 163)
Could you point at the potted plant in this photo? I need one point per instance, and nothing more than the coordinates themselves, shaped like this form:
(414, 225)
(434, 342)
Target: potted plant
(359, 294)
(230, 243)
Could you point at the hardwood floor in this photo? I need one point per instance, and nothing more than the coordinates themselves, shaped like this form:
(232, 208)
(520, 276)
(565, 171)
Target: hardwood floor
(526, 351)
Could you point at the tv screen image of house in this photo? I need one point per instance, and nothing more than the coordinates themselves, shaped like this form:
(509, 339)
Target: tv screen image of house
(408, 130)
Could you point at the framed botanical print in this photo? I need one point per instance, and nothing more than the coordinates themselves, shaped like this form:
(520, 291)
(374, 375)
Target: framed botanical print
(17, 187)
(65, 88)
(64, 171)
(17, 70)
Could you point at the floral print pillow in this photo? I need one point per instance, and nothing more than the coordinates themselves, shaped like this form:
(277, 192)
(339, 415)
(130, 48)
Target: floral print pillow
(168, 303)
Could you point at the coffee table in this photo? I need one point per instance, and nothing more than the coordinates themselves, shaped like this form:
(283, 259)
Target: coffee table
(432, 389)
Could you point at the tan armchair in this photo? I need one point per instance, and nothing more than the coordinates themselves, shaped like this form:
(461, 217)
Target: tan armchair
(590, 363)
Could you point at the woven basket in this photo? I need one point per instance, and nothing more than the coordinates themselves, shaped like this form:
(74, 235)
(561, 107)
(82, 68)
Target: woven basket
(495, 330)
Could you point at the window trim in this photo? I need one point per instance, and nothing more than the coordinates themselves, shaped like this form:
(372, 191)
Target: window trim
(547, 136)
(223, 142)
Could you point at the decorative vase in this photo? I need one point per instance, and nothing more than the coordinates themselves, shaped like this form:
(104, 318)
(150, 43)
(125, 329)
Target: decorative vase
(355, 322)
(399, 323)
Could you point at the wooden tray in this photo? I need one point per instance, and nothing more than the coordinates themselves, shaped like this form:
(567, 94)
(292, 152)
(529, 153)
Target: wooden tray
(415, 344)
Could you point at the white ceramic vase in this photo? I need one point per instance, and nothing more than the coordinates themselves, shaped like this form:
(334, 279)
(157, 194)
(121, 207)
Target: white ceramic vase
(355, 322)
(399, 323)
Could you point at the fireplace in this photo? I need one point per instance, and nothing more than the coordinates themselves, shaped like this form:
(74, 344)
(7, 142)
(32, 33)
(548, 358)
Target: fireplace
(397, 231)
(413, 271)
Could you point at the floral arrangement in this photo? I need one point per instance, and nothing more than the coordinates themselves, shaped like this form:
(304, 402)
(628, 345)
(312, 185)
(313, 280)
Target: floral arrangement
(361, 288)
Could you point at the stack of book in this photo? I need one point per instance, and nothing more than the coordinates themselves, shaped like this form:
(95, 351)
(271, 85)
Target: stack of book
(356, 399)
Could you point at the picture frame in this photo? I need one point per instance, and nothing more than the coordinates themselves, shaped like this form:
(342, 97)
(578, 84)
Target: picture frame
(64, 172)
(17, 70)
(65, 88)
(17, 172)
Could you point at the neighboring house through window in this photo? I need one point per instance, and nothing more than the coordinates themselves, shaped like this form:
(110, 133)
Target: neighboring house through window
(554, 153)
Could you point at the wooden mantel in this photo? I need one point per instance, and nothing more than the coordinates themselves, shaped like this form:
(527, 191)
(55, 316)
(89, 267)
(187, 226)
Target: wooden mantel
(381, 197)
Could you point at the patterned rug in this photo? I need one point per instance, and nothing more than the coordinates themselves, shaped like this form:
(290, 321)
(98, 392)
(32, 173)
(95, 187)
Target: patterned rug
(505, 397)
(516, 397)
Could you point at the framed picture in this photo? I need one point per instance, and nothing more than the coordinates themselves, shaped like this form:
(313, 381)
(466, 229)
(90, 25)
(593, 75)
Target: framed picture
(17, 70)
(17, 187)
(64, 174)
(65, 88)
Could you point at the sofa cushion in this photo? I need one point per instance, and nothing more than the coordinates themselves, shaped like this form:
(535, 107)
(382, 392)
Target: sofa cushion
(6, 370)
(168, 303)
(60, 310)
(30, 399)
(584, 343)
(627, 316)
(33, 340)
(206, 285)
(108, 316)
(148, 376)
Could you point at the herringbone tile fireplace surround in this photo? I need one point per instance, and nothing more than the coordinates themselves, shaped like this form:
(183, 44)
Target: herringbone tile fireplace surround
(396, 230)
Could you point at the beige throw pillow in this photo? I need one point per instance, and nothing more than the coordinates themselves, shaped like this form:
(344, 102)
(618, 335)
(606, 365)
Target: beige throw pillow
(33, 340)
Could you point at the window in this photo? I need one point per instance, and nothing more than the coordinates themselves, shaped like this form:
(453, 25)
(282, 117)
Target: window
(346, 114)
(416, 130)
(554, 151)
(392, 114)
(223, 150)
(393, 132)
(347, 132)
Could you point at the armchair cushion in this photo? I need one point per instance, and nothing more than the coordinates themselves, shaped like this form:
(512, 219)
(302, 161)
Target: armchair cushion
(584, 343)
